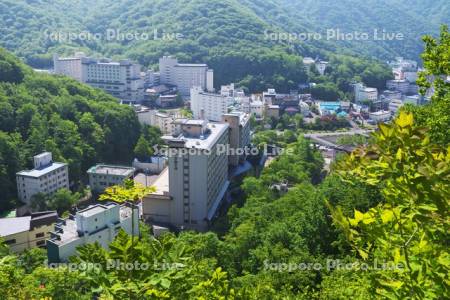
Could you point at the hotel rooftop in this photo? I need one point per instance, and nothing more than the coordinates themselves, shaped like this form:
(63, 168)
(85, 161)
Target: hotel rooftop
(196, 134)
(111, 170)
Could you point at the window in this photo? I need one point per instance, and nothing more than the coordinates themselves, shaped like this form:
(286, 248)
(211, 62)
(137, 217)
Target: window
(39, 235)
(40, 243)
(10, 242)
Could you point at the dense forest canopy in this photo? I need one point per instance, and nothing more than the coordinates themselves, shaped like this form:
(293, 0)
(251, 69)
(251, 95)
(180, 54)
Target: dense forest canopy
(386, 203)
(231, 36)
(377, 226)
(78, 124)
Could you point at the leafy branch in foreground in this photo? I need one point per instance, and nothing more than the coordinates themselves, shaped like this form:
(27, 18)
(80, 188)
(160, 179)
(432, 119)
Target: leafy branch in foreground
(410, 228)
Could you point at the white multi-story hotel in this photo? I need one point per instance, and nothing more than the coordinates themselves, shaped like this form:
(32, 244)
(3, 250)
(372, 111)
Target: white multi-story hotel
(185, 76)
(208, 106)
(121, 79)
(190, 191)
(47, 177)
(69, 66)
(97, 223)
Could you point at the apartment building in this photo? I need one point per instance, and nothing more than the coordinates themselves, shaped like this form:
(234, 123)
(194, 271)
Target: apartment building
(363, 93)
(239, 124)
(22, 233)
(185, 76)
(208, 106)
(47, 177)
(121, 79)
(98, 223)
(190, 191)
(103, 176)
(401, 86)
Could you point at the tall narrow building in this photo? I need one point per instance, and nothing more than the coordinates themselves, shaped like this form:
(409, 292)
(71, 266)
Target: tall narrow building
(190, 191)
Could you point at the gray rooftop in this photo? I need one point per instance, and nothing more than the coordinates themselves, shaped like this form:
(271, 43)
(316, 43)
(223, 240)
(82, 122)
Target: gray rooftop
(9, 226)
(205, 143)
(111, 170)
(36, 173)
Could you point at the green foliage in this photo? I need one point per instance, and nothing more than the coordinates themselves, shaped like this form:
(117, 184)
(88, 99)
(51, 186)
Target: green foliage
(165, 269)
(10, 69)
(326, 92)
(62, 200)
(231, 36)
(353, 140)
(435, 115)
(410, 227)
(129, 191)
(143, 150)
(80, 125)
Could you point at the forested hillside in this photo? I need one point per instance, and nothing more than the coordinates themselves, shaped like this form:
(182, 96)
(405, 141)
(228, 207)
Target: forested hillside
(376, 227)
(231, 36)
(411, 18)
(80, 125)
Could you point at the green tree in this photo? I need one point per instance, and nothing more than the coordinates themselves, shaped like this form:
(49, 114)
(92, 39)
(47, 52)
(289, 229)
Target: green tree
(143, 150)
(410, 227)
(435, 115)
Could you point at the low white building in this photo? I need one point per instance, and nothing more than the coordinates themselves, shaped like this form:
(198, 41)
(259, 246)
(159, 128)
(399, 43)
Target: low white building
(208, 106)
(363, 93)
(96, 224)
(380, 116)
(47, 177)
(103, 176)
